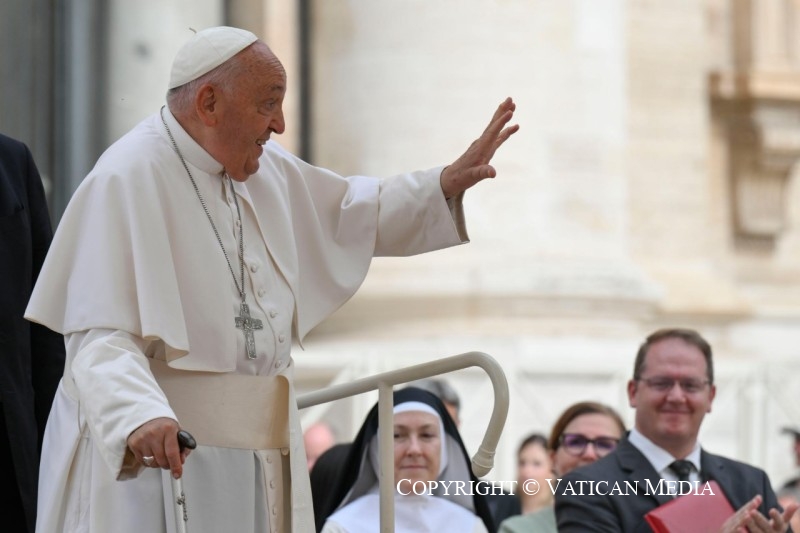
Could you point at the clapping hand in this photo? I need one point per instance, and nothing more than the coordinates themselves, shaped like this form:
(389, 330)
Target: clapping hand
(748, 520)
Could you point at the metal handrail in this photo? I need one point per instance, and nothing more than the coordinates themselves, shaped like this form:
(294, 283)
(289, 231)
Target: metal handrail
(482, 461)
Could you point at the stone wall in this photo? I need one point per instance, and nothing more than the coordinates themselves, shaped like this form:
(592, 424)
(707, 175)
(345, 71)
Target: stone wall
(611, 216)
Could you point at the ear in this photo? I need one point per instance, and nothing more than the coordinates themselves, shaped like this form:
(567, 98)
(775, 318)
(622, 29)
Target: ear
(711, 394)
(206, 105)
(632, 388)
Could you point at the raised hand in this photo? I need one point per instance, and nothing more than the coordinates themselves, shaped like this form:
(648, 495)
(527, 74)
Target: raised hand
(473, 166)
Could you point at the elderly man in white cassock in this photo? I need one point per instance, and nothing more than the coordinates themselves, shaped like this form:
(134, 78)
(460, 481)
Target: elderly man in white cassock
(181, 270)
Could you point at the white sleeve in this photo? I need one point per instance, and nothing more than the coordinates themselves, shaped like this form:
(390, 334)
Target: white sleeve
(414, 217)
(116, 391)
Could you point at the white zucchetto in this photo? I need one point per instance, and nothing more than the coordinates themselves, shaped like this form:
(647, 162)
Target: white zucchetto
(207, 50)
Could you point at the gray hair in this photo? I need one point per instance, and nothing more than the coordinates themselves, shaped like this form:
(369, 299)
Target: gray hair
(181, 98)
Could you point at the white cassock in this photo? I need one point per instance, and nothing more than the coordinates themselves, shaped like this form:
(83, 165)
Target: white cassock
(135, 273)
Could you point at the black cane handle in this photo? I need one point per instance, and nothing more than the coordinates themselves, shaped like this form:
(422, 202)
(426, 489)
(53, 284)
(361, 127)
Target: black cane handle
(185, 440)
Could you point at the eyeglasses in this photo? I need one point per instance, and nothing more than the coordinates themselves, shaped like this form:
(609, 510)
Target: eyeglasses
(665, 384)
(575, 444)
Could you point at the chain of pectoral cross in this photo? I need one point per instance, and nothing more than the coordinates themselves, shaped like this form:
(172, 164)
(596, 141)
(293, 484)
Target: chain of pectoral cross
(244, 321)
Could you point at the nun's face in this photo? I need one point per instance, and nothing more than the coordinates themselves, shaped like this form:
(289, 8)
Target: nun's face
(417, 447)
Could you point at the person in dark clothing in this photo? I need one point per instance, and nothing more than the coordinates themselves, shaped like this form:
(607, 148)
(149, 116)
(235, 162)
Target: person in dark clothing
(326, 473)
(31, 356)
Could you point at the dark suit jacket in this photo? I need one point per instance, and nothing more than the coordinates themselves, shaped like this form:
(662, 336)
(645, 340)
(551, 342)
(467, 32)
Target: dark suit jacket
(31, 356)
(625, 513)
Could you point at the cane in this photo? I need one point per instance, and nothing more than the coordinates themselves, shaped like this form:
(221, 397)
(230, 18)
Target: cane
(185, 440)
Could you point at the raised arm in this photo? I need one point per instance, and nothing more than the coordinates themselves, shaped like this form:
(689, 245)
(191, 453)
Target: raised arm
(473, 166)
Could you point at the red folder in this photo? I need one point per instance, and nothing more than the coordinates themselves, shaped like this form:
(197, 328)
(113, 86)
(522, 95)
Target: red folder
(692, 513)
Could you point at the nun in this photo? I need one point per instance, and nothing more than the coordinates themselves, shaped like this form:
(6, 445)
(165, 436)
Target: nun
(427, 448)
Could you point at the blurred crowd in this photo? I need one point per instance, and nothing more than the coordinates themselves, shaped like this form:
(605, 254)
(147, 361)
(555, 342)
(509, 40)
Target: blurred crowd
(671, 390)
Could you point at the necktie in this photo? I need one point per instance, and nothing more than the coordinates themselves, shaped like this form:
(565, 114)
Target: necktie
(682, 468)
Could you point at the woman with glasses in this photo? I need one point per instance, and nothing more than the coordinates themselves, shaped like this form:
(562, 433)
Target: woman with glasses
(585, 432)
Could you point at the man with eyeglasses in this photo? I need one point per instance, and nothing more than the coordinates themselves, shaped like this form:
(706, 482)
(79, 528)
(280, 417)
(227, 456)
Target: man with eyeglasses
(672, 389)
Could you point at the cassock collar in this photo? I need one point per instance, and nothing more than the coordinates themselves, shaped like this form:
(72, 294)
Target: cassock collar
(194, 154)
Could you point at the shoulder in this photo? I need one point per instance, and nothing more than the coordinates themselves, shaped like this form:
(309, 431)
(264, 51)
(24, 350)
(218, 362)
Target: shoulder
(356, 507)
(18, 175)
(515, 524)
(133, 163)
(740, 481)
(12, 147)
(140, 149)
(456, 514)
(737, 477)
(16, 161)
(543, 520)
(276, 161)
(502, 505)
(359, 511)
(280, 158)
(717, 462)
(274, 149)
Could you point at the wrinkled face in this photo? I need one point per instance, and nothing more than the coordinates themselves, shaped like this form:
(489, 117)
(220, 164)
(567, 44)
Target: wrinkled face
(533, 463)
(591, 426)
(417, 447)
(249, 112)
(671, 417)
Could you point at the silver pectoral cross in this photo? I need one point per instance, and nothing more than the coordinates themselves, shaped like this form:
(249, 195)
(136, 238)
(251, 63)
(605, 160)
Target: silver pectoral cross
(248, 325)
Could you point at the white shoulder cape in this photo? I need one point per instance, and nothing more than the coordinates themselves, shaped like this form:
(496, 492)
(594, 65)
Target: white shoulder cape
(134, 250)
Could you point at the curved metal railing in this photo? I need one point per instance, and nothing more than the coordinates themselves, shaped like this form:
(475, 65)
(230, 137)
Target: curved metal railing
(482, 461)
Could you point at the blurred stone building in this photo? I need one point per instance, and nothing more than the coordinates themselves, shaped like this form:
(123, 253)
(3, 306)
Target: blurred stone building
(653, 182)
